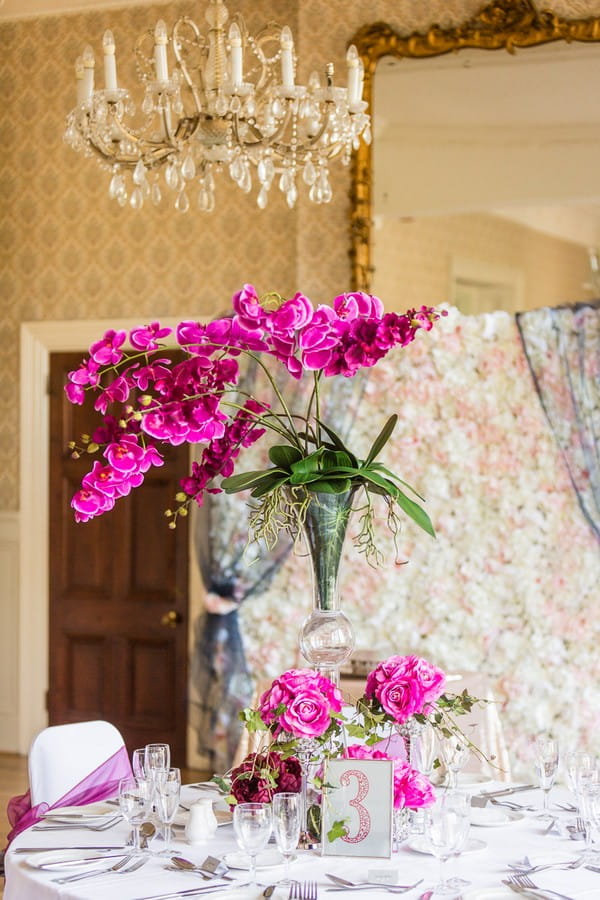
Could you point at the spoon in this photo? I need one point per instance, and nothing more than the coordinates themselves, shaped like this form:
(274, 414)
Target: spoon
(180, 863)
(147, 831)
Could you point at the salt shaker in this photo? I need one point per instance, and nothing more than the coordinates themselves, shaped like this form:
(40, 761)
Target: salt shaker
(202, 822)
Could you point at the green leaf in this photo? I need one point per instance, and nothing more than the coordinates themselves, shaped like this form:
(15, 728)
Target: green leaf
(379, 467)
(284, 455)
(244, 480)
(381, 439)
(268, 485)
(412, 509)
(335, 438)
(337, 830)
(330, 485)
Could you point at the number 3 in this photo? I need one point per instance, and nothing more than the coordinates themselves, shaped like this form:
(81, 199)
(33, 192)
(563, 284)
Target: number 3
(364, 818)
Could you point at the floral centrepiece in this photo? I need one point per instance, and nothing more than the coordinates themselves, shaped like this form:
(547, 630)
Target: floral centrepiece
(302, 711)
(153, 401)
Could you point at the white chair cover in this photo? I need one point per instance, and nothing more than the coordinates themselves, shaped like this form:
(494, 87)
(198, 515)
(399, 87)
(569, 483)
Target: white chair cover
(61, 756)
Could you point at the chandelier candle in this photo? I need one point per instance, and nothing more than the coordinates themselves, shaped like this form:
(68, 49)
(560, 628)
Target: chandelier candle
(224, 100)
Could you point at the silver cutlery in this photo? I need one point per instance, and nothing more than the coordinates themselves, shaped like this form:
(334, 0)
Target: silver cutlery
(58, 849)
(80, 861)
(509, 804)
(524, 885)
(185, 865)
(567, 807)
(67, 826)
(303, 890)
(506, 791)
(190, 892)
(125, 865)
(525, 868)
(398, 888)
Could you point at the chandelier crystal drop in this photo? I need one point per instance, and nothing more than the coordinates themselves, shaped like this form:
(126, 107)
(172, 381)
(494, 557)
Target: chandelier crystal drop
(223, 101)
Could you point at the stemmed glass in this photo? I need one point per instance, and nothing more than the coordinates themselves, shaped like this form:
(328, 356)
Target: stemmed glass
(252, 828)
(578, 766)
(157, 761)
(444, 831)
(134, 798)
(287, 819)
(166, 796)
(138, 762)
(546, 766)
(455, 752)
(588, 799)
(460, 803)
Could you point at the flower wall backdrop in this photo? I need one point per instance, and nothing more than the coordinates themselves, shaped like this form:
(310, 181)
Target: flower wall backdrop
(508, 587)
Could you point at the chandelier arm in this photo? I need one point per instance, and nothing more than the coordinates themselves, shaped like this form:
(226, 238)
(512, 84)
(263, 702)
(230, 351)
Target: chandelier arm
(201, 44)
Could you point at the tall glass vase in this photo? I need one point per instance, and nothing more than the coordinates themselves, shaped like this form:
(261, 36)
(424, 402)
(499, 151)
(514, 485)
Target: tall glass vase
(326, 638)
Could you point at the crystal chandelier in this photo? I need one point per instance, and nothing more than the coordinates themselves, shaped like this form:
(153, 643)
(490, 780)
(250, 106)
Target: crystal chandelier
(226, 100)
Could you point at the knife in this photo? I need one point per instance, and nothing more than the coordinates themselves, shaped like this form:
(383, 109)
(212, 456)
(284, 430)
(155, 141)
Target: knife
(193, 892)
(511, 790)
(63, 863)
(58, 849)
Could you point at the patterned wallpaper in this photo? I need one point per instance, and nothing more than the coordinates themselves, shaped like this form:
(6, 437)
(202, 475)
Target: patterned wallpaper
(67, 252)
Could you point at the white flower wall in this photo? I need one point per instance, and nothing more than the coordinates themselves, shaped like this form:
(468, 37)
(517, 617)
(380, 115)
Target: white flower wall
(510, 585)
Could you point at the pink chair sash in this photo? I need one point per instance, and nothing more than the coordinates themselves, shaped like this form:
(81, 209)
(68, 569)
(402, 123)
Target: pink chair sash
(100, 784)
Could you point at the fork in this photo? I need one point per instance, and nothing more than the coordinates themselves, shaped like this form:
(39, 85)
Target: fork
(127, 864)
(303, 890)
(527, 869)
(69, 826)
(523, 884)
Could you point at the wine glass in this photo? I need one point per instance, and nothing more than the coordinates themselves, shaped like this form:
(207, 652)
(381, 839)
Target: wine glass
(460, 803)
(455, 752)
(157, 758)
(287, 819)
(589, 803)
(138, 763)
(578, 766)
(546, 766)
(252, 828)
(167, 791)
(134, 799)
(443, 833)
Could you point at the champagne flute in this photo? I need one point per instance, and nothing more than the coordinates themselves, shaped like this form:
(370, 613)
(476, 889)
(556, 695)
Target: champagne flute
(252, 824)
(138, 762)
(455, 751)
(546, 765)
(157, 761)
(589, 802)
(287, 819)
(134, 798)
(167, 794)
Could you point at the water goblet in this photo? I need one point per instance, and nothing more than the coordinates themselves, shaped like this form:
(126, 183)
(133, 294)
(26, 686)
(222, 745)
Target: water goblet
(443, 832)
(287, 819)
(134, 799)
(455, 752)
(546, 766)
(167, 792)
(252, 824)
(461, 804)
(157, 758)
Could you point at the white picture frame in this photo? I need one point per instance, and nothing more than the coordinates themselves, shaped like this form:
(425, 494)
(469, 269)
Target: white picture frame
(359, 793)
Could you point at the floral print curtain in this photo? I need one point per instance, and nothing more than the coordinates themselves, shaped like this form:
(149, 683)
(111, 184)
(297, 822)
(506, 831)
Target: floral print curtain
(562, 346)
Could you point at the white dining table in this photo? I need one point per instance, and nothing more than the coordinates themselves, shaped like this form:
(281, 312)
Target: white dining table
(485, 863)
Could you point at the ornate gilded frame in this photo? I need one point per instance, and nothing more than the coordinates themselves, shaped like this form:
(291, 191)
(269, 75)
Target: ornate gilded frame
(500, 25)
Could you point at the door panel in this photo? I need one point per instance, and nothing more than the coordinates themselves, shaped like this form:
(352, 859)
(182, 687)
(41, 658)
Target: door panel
(114, 651)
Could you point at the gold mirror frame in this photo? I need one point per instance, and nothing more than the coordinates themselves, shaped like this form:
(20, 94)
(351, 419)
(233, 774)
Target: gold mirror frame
(500, 25)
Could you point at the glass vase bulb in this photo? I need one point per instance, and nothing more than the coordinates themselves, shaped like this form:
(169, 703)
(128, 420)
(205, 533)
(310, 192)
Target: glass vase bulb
(326, 638)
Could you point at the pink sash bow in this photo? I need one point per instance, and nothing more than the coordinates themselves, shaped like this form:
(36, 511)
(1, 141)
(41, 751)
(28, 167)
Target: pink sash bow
(100, 784)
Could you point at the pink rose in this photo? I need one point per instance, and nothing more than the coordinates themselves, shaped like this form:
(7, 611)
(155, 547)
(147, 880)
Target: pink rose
(405, 686)
(301, 702)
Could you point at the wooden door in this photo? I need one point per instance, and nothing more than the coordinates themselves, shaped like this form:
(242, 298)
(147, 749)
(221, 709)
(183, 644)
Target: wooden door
(118, 593)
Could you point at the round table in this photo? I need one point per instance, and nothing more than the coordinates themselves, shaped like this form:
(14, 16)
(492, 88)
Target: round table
(484, 864)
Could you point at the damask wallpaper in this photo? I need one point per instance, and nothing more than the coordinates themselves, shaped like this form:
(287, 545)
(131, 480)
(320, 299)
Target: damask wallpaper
(68, 252)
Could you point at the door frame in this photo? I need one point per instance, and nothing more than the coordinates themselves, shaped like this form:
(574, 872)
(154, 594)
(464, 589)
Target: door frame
(37, 341)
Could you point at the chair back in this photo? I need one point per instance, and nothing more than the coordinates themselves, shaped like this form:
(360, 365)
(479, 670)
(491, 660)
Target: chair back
(61, 756)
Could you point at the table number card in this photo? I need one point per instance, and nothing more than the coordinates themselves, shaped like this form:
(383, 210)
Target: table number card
(358, 793)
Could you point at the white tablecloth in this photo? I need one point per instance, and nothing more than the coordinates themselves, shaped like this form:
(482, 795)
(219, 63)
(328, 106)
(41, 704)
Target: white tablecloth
(484, 866)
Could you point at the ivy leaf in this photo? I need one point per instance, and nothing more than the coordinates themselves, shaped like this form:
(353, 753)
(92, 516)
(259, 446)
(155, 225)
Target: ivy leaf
(381, 439)
(337, 830)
